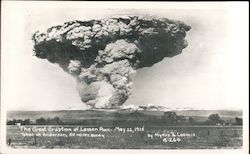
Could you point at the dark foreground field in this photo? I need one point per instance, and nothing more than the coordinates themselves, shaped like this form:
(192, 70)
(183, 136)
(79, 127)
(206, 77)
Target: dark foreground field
(181, 137)
(193, 129)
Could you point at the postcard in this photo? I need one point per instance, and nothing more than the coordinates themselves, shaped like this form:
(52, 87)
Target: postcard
(124, 77)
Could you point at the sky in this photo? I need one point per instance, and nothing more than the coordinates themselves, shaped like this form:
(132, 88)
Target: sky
(211, 73)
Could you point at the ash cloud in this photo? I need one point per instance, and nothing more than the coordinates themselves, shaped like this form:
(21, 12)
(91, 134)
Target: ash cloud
(102, 54)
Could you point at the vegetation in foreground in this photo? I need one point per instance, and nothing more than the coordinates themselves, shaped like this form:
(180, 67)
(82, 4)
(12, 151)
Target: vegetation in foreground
(133, 118)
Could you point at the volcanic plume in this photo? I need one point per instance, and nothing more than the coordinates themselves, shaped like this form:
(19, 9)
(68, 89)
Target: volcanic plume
(102, 54)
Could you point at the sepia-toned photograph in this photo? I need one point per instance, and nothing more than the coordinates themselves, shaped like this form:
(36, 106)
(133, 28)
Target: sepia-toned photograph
(124, 75)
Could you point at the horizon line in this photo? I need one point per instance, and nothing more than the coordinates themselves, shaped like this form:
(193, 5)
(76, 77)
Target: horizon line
(134, 110)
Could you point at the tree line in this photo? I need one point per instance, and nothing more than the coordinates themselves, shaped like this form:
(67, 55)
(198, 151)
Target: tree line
(39, 121)
(169, 118)
(213, 119)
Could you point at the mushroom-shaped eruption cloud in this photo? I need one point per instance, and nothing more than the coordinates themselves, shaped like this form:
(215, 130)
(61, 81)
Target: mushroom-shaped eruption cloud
(102, 54)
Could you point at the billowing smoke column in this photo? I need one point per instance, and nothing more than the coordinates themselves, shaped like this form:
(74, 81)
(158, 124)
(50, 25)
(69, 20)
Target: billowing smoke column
(102, 54)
